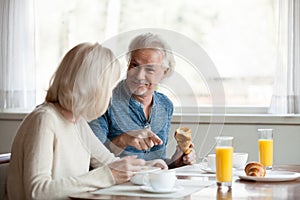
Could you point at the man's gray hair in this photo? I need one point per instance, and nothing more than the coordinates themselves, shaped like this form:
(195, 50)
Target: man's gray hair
(153, 41)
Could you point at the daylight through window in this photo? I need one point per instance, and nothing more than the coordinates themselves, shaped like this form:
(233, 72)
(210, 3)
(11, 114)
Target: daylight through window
(239, 37)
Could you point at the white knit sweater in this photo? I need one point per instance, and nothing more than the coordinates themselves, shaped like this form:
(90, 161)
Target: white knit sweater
(51, 157)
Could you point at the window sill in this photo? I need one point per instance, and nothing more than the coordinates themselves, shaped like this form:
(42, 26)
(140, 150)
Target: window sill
(12, 116)
(236, 119)
(192, 118)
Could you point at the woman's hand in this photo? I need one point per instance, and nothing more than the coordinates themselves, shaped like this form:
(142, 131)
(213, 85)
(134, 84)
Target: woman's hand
(124, 168)
(157, 163)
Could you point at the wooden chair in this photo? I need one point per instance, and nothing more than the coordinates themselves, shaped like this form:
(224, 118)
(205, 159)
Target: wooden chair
(4, 162)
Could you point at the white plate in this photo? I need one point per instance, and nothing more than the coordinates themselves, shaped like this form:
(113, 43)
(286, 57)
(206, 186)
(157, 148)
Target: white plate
(273, 176)
(150, 189)
(147, 169)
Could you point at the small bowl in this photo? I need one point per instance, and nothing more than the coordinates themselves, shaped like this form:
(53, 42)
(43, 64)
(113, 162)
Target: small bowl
(239, 160)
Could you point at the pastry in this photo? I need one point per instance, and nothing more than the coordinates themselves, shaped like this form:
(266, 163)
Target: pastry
(255, 169)
(183, 136)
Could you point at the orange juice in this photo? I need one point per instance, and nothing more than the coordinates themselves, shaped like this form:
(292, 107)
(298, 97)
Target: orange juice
(224, 164)
(265, 147)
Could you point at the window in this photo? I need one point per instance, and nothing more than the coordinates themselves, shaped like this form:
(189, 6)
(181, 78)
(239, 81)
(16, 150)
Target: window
(239, 37)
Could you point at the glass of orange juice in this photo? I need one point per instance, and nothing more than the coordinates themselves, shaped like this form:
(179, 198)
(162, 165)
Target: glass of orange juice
(265, 147)
(224, 152)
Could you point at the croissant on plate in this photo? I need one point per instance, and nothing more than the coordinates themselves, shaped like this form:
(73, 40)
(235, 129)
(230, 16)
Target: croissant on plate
(183, 136)
(255, 169)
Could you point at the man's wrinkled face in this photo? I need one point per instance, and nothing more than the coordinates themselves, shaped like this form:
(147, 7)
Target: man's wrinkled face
(145, 71)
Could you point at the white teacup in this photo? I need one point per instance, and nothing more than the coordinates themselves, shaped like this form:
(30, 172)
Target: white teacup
(211, 161)
(239, 160)
(162, 180)
(141, 177)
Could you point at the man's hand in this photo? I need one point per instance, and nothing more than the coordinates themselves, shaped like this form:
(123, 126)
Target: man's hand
(140, 139)
(180, 159)
(190, 158)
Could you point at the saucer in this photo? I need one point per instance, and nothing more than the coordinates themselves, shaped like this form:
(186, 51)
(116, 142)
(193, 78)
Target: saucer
(150, 189)
(208, 170)
(212, 171)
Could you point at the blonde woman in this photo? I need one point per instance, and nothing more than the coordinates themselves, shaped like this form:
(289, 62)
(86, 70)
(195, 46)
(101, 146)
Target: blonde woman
(54, 147)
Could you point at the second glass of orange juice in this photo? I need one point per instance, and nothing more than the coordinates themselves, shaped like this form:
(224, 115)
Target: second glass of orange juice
(224, 151)
(265, 147)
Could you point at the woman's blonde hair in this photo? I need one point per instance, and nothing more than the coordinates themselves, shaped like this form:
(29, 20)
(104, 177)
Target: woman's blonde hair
(84, 80)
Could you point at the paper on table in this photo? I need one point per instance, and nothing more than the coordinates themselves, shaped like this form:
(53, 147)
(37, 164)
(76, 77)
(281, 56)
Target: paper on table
(128, 189)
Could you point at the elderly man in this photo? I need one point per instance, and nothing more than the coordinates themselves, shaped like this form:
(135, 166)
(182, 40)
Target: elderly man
(138, 119)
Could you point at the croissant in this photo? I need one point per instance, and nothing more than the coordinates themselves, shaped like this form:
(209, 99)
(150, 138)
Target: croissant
(183, 136)
(255, 169)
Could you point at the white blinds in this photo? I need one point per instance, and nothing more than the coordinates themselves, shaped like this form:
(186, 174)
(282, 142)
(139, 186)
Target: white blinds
(17, 77)
(286, 96)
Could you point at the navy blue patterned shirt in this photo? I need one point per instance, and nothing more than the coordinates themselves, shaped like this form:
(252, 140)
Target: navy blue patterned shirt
(125, 114)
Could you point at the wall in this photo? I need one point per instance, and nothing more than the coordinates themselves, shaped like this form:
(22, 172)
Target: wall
(8, 127)
(204, 128)
(286, 132)
(286, 141)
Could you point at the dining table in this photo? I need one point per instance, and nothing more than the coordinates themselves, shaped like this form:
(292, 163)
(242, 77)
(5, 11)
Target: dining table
(202, 185)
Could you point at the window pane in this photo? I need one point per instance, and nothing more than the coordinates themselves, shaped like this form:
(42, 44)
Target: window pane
(238, 35)
(60, 26)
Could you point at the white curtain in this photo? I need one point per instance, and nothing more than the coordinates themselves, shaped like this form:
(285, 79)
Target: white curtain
(17, 60)
(286, 95)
